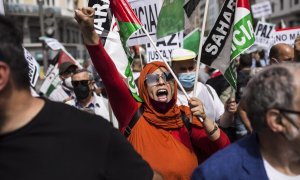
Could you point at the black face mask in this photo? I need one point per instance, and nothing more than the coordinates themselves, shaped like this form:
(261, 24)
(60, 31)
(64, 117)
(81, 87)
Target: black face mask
(82, 91)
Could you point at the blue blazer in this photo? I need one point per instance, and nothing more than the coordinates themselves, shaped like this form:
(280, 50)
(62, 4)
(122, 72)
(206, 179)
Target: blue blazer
(241, 160)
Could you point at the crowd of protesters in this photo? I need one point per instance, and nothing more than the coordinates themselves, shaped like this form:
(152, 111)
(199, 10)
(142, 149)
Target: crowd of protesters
(96, 133)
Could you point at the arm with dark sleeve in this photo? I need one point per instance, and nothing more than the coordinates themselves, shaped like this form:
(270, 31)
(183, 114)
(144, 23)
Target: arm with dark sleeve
(123, 162)
(207, 147)
(120, 98)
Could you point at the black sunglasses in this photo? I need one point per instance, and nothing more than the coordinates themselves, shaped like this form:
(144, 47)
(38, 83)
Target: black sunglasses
(282, 110)
(153, 79)
(82, 82)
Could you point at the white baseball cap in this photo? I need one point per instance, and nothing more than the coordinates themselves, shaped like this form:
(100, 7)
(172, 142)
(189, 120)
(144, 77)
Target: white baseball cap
(182, 55)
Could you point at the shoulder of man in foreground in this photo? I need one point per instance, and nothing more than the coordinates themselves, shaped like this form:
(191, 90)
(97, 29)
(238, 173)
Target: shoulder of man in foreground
(241, 160)
(94, 134)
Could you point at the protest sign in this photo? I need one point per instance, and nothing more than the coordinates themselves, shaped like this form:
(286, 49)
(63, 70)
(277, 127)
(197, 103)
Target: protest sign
(262, 9)
(165, 45)
(287, 35)
(264, 34)
(147, 12)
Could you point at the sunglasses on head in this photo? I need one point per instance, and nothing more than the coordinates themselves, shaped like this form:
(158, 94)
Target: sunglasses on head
(82, 82)
(153, 79)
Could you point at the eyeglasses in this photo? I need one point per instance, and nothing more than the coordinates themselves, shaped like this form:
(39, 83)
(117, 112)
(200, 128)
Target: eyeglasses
(291, 112)
(82, 82)
(153, 79)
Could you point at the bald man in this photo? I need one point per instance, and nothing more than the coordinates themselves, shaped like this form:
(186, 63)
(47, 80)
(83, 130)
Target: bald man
(280, 53)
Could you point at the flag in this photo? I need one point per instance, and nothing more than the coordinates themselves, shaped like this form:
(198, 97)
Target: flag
(171, 18)
(190, 7)
(192, 40)
(127, 20)
(1, 7)
(52, 77)
(34, 68)
(231, 35)
(114, 27)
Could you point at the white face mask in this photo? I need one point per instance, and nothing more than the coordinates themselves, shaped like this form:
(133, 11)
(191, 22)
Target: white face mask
(68, 82)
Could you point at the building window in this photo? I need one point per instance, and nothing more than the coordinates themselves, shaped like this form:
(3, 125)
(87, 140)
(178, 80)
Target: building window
(281, 4)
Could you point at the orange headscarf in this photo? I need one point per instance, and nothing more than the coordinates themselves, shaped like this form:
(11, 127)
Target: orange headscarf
(172, 118)
(152, 135)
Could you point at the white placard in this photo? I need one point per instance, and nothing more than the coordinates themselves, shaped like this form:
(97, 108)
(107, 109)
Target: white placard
(53, 44)
(287, 35)
(165, 45)
(147, 11)
(264, 34)
(34, 68)
(262, 9)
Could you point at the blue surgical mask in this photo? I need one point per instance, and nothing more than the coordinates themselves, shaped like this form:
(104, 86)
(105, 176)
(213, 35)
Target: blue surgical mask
(187, 79)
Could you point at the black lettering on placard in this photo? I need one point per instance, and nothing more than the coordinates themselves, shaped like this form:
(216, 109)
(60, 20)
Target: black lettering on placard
(152, 21)
(284, 37)
(270, 30)
(161, 43)
(259, 28)
(170, 42)
(293, 36)
(148, 16)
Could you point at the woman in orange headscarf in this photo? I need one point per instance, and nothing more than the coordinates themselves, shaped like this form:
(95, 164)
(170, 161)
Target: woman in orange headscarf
(159, 134)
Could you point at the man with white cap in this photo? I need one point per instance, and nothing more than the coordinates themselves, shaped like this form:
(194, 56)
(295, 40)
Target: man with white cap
(184, 66)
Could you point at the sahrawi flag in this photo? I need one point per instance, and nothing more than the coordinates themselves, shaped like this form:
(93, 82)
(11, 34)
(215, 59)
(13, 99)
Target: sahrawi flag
(52, 77)
(231, 35)
(115, 26)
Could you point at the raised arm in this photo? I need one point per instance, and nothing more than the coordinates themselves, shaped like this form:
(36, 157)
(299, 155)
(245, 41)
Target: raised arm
(121, 100)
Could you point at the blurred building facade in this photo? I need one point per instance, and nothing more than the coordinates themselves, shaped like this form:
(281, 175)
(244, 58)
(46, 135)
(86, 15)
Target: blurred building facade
(26, 14)
(286, 10)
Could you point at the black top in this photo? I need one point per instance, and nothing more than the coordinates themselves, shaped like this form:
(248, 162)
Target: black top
(63, 143)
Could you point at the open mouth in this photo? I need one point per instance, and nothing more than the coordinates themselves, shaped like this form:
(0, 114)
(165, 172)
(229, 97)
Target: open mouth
(162, 95)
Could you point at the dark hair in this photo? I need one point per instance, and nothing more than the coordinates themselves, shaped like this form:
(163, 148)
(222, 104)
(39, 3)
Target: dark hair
(12, 52)
(271, 88)
(245, 60)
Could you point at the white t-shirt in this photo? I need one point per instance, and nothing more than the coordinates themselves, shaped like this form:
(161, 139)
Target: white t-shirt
(213, 106)
(273, 174)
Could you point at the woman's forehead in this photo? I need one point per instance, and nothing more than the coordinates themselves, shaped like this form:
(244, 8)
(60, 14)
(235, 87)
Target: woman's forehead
(159, 70)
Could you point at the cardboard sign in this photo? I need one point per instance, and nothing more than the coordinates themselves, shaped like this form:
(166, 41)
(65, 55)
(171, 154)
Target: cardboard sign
(264, 34)
(147, 11)
(165, 45)
(262, 9)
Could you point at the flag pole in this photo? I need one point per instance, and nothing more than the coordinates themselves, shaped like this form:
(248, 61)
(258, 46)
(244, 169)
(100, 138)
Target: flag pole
(165, 61)
(200, 47)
